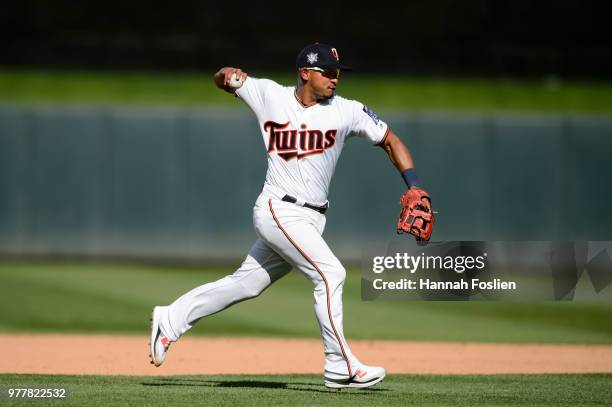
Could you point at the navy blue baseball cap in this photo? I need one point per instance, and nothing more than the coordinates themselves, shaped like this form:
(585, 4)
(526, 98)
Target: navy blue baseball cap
(319, 56)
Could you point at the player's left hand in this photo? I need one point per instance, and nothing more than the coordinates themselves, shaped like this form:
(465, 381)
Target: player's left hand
(416, 216)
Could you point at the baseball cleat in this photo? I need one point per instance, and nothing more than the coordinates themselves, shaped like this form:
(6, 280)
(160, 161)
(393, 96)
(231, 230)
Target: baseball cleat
(159, 343)
(366, 376)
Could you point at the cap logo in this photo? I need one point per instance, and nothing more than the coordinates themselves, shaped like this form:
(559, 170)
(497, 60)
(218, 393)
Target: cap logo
(335, 54)
(312, 57)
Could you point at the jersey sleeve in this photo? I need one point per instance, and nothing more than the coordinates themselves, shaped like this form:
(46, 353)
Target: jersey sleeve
(366, 124)
(253, 93)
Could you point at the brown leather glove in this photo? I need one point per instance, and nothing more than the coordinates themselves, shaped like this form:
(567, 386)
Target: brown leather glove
(416, 216)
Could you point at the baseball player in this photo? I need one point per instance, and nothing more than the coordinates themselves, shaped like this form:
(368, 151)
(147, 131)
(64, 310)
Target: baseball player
(304, 129)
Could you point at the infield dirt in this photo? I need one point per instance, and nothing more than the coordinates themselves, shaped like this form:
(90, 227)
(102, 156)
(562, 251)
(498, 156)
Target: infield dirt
(128, 355)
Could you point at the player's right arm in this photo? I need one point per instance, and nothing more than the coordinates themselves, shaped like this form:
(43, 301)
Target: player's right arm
(222, 77)
(255, 92)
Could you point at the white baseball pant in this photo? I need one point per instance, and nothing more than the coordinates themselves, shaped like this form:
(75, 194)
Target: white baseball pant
(289, 236)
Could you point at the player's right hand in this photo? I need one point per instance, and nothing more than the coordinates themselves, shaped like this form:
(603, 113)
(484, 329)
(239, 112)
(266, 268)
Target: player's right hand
(222, 77)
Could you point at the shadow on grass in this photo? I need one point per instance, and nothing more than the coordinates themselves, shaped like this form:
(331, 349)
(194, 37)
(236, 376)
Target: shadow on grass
(254, 384)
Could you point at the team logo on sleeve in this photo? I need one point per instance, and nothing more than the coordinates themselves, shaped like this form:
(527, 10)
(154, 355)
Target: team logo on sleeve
(371, 114)
(290, 144)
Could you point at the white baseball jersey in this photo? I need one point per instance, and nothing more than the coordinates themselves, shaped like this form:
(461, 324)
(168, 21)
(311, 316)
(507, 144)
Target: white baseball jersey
(304, 143)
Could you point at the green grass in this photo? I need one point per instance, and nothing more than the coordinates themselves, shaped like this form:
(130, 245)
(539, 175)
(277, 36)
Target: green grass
(95, 298)
(307, 390)
(380, 92)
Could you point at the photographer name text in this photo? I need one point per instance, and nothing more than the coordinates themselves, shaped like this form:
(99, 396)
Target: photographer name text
(428, 284)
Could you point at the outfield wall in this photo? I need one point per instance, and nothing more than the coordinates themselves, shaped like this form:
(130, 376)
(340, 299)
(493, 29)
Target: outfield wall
(181, 182)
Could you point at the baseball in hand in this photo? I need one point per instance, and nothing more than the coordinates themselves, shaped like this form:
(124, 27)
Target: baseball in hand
(235, 82)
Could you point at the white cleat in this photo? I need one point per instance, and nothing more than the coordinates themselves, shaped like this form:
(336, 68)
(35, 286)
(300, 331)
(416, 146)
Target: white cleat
(159, 343)
(366, 376)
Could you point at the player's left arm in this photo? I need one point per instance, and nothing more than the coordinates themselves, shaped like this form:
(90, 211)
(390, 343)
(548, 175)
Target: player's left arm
(401, 158)
(396, 150)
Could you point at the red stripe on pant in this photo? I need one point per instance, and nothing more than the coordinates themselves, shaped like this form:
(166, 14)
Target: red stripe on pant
(331, 321)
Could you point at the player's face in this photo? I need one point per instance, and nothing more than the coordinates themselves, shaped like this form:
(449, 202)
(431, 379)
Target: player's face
(323, 82)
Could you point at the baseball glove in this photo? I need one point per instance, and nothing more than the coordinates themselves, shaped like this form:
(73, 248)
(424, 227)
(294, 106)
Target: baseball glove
(416, 216)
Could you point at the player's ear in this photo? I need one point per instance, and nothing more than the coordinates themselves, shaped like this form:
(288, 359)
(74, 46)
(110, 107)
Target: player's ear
(304, 74)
